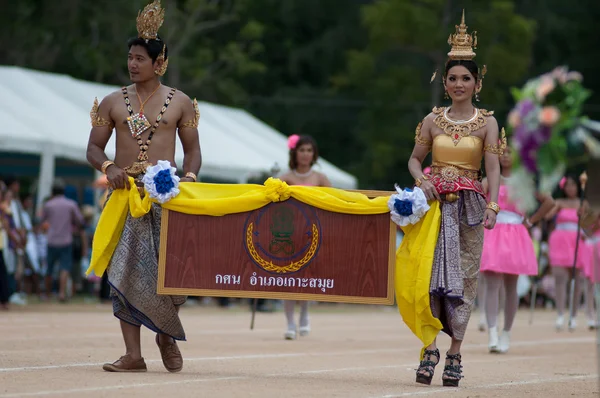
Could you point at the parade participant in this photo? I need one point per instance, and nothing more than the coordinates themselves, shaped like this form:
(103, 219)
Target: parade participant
(508, 252)
(304, 153)
(592, 269)
(459, 137)
(146, 116)
(561, 244)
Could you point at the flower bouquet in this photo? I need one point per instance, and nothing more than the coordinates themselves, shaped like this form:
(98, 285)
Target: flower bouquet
(549, 133)
(408, 206)
(161, 182)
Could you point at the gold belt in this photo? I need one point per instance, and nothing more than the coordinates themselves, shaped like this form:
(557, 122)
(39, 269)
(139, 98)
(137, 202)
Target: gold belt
(452, 173)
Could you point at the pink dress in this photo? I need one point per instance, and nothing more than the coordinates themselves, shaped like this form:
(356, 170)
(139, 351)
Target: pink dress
(591, 257)
(561, 244)
(508, 248)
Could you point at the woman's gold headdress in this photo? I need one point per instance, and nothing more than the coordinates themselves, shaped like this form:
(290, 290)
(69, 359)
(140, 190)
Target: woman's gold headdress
(462, 42)
(462, 46)
(149, 21)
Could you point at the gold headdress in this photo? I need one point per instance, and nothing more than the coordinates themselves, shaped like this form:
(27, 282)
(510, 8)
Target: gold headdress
(150, 20)
(462, 42)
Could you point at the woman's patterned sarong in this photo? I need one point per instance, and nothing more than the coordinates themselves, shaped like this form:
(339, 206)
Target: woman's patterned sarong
(456, 261)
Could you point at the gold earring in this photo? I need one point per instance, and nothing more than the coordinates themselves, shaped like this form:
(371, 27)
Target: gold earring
(163, 69)
(446, 95)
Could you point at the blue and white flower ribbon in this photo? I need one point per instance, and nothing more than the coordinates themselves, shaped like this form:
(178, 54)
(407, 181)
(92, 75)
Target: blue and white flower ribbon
(408, 206)
(161, 182)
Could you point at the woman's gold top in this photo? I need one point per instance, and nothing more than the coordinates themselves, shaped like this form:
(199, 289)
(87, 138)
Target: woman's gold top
(457, 154)
(467, 154)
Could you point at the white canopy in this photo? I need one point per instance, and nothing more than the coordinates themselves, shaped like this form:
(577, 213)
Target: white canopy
(48, 114)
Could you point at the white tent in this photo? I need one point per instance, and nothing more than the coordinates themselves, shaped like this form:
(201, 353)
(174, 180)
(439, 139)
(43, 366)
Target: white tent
(48, 114)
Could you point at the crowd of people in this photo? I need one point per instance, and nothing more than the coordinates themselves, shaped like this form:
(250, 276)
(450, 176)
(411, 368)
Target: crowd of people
(45, 251)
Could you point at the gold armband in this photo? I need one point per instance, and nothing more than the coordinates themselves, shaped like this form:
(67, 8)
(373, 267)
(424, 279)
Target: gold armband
(499, 148)
(493, 206)
(193, 123)
(96, 119)
(106, 165)
(418, 138)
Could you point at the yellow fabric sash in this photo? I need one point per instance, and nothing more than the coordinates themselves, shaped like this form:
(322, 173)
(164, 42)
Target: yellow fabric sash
(219, 200)
(414, 260)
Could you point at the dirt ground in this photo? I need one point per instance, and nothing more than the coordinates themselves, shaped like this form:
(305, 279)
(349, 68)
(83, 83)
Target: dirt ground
(53, 350)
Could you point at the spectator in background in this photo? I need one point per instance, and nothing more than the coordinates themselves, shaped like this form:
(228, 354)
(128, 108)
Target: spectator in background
(41, 230)
(26, 256)
(7, 234)
(61, 214)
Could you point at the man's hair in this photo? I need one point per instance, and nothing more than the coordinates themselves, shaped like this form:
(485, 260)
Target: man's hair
(154, 46)
(58, 189)
(10, 179)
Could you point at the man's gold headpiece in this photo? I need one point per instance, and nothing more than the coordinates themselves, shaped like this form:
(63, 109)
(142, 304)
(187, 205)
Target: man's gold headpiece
(150, 20)
(462, 42)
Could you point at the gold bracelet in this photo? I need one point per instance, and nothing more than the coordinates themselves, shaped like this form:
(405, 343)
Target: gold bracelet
(191, 175)
(418, 182)
(106, 165)
(494, 207)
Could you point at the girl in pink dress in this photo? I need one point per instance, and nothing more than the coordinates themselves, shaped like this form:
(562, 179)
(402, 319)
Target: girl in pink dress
(508, 252)
(561, 250)
(304, 153)
(591, 269)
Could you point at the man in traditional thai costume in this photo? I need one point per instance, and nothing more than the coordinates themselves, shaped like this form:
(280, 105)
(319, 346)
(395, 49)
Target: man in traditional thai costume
(438, 261)
(146, 116)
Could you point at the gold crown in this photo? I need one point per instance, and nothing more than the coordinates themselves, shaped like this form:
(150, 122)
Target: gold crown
(462, 42)
(150, 20)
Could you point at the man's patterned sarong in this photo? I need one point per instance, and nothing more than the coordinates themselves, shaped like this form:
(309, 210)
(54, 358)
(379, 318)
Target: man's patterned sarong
(133, 275)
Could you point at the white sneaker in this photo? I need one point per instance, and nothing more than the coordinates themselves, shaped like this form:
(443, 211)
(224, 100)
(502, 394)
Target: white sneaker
(304, 330)
(17, 299)
(504, 343)
(592, 324)
(560, 323)
(493, 339)
(573, 325)
(290, 334)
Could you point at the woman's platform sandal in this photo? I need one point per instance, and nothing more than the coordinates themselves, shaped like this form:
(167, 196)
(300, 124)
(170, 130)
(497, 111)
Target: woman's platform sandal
(452, 371)
(427, 366)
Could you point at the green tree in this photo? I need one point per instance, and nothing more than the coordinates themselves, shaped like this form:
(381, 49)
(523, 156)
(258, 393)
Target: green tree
(407, 42)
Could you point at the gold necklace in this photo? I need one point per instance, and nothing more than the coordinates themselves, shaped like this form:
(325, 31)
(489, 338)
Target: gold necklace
(138, 123)
(458, 129)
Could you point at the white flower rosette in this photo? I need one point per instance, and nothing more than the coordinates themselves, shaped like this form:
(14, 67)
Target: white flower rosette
(408, 206)
(161, 182)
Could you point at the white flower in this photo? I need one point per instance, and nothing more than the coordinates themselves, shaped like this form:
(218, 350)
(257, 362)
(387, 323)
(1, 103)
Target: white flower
(521, 190)
(161, 182)
(408, 206)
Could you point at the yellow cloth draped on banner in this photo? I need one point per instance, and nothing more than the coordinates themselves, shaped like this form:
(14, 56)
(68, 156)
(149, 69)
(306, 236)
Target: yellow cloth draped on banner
(219, 200)
(414, 257)
(414, 260)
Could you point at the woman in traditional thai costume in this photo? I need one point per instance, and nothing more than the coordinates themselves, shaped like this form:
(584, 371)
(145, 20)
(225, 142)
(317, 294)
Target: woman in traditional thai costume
(304, 153)
(561, 253)
(508, 252)
(438, 261)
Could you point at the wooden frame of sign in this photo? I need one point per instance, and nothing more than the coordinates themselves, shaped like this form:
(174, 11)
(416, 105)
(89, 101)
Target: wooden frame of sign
(285, 250)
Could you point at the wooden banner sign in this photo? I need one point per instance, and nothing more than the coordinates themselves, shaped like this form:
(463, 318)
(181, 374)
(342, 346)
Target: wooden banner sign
(285, 250)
